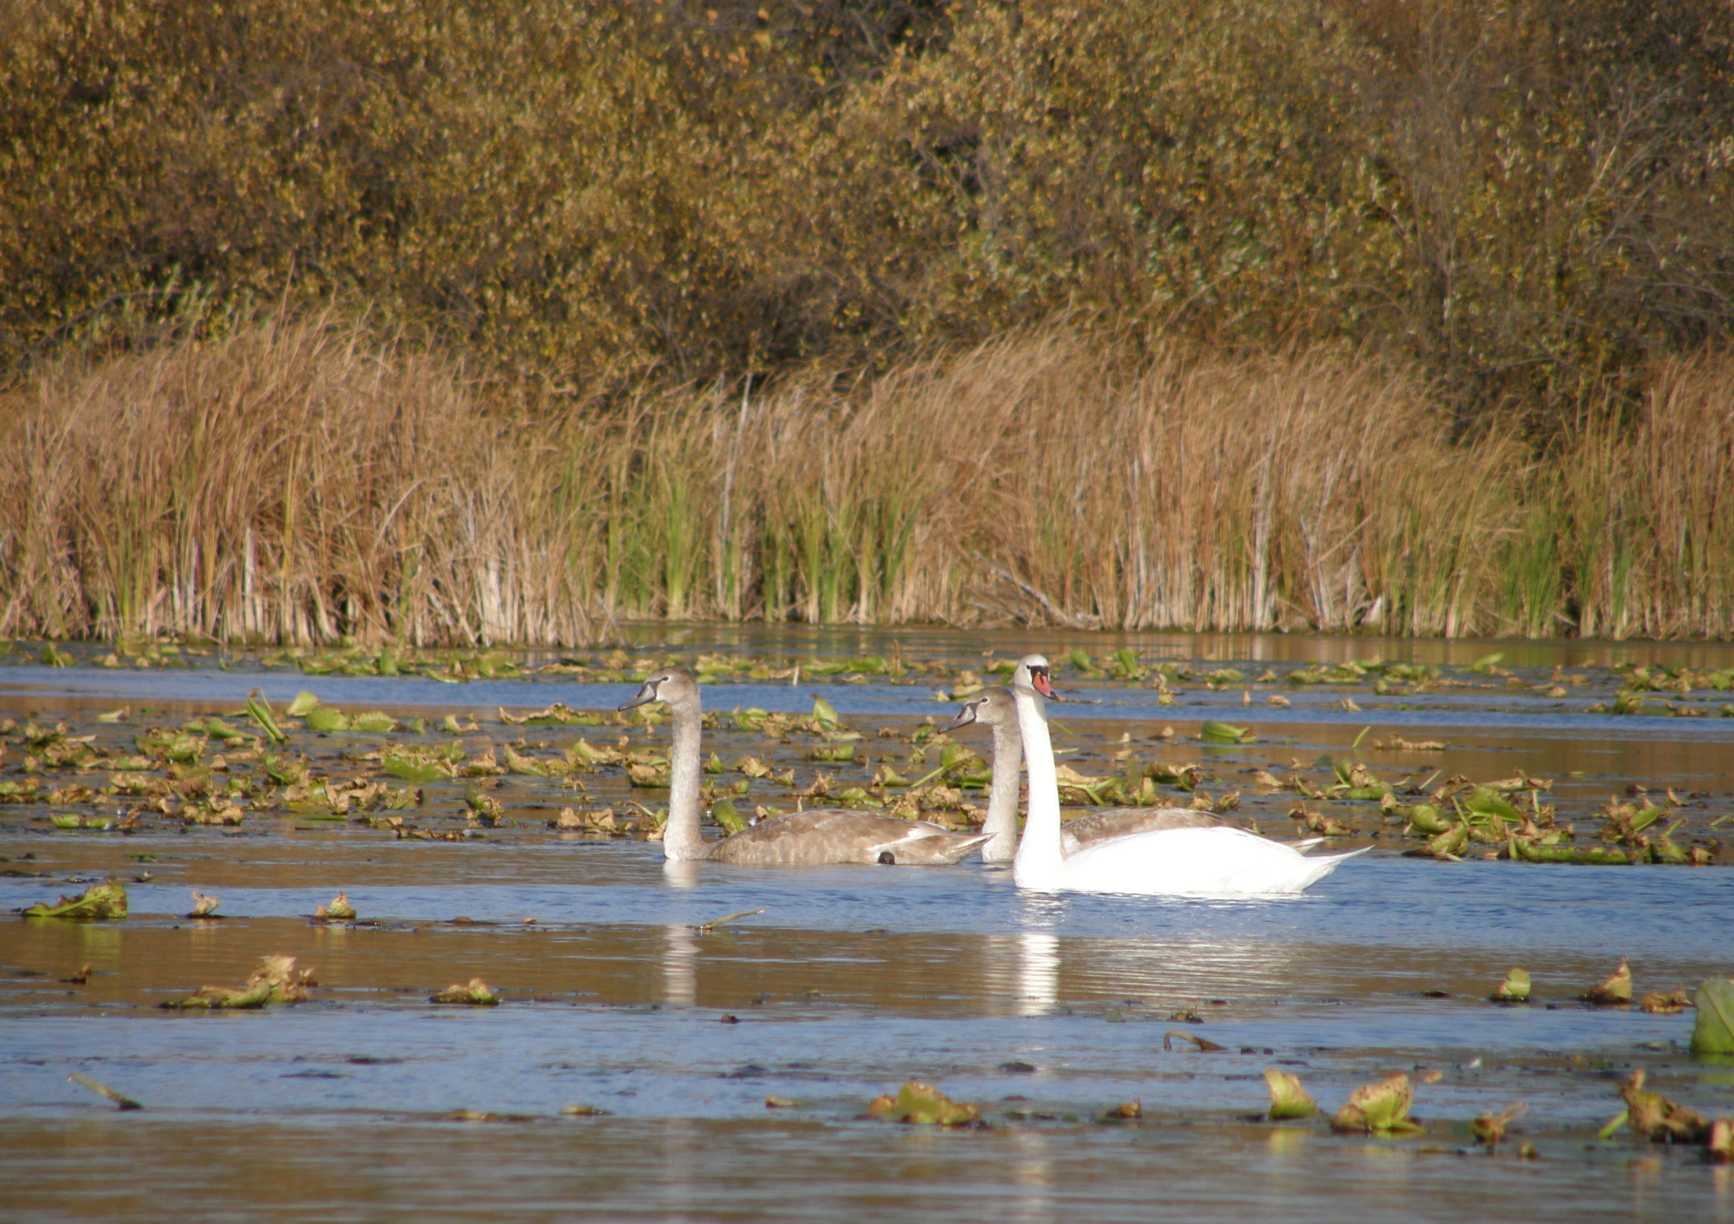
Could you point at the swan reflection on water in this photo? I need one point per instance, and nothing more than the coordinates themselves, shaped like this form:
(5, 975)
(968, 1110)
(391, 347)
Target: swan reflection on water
(1024, 969)
(679, 965)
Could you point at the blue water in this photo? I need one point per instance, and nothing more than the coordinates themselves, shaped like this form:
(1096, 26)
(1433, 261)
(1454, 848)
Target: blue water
(1043, 1010)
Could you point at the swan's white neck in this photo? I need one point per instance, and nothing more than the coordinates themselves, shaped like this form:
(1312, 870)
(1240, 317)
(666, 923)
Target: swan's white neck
(1039, 855)
(681, 838)
(1002, 799)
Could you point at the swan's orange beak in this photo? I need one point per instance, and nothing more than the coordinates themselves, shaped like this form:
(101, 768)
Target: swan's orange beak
(1039, 678)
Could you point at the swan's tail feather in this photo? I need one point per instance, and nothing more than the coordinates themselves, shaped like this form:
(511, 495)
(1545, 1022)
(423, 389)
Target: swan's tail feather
(1325, 864)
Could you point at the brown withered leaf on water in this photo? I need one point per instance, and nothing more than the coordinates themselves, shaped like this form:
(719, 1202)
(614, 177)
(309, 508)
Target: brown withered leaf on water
(101, 1089)
(1125, 1111)
(1614, 991)
(475, 994)
(204, 906)
(1202, 1044)
(1653, 1115)
(1490, 1128)
(1380, 1108)
(1670, 1004)
(1287, 1098)
(1719, 1147)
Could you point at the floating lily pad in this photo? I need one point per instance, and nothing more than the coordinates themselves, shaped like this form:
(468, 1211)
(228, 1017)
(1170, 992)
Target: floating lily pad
(1287, 1098)
(475, 994)
(98, 903)
(338, 909)
(923, 1104)
(1713, 1031)
(1380, 1108)
(1214, 732)
(276, 980)
(1514, 989)
(1656, 1117)
(1613, 991)
(1489, 1129)
(260, 711)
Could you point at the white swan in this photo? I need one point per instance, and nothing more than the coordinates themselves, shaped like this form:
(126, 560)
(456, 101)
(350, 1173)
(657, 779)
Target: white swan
(1217, 862)
(996, 708)
(797, 839)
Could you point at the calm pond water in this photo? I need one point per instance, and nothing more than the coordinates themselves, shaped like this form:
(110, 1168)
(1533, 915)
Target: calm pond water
(734, 1065)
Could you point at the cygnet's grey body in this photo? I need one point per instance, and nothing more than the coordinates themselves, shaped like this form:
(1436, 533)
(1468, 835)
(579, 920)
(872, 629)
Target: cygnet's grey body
(796, 839)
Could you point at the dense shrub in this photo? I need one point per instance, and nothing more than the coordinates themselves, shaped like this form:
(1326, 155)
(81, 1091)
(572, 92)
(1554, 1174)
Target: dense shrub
(1530, 198)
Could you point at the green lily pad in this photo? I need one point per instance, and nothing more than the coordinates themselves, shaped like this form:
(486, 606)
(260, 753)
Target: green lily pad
(325, 719)
(923, 1104)
(1713, 1032)
(1514, 989)
(1287, 1098)
(1380, 1108)
(260, 711)
(98, 903)
(724, 812)
(276, 980)
(1224, 733)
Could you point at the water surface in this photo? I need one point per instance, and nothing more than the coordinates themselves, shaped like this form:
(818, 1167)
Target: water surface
(1046, 1011)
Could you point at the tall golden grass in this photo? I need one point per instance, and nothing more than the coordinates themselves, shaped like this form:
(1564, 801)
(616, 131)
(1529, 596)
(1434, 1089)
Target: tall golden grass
(301, 481)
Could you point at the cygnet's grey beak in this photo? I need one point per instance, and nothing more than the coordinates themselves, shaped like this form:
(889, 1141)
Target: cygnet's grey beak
(965, 717)
(646, 695)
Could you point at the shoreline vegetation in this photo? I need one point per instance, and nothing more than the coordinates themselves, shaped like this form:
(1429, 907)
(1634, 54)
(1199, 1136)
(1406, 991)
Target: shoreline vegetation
(297, 480)
(506, 321)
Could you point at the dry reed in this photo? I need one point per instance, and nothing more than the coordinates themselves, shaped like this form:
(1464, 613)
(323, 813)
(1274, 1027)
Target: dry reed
(300, 481)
